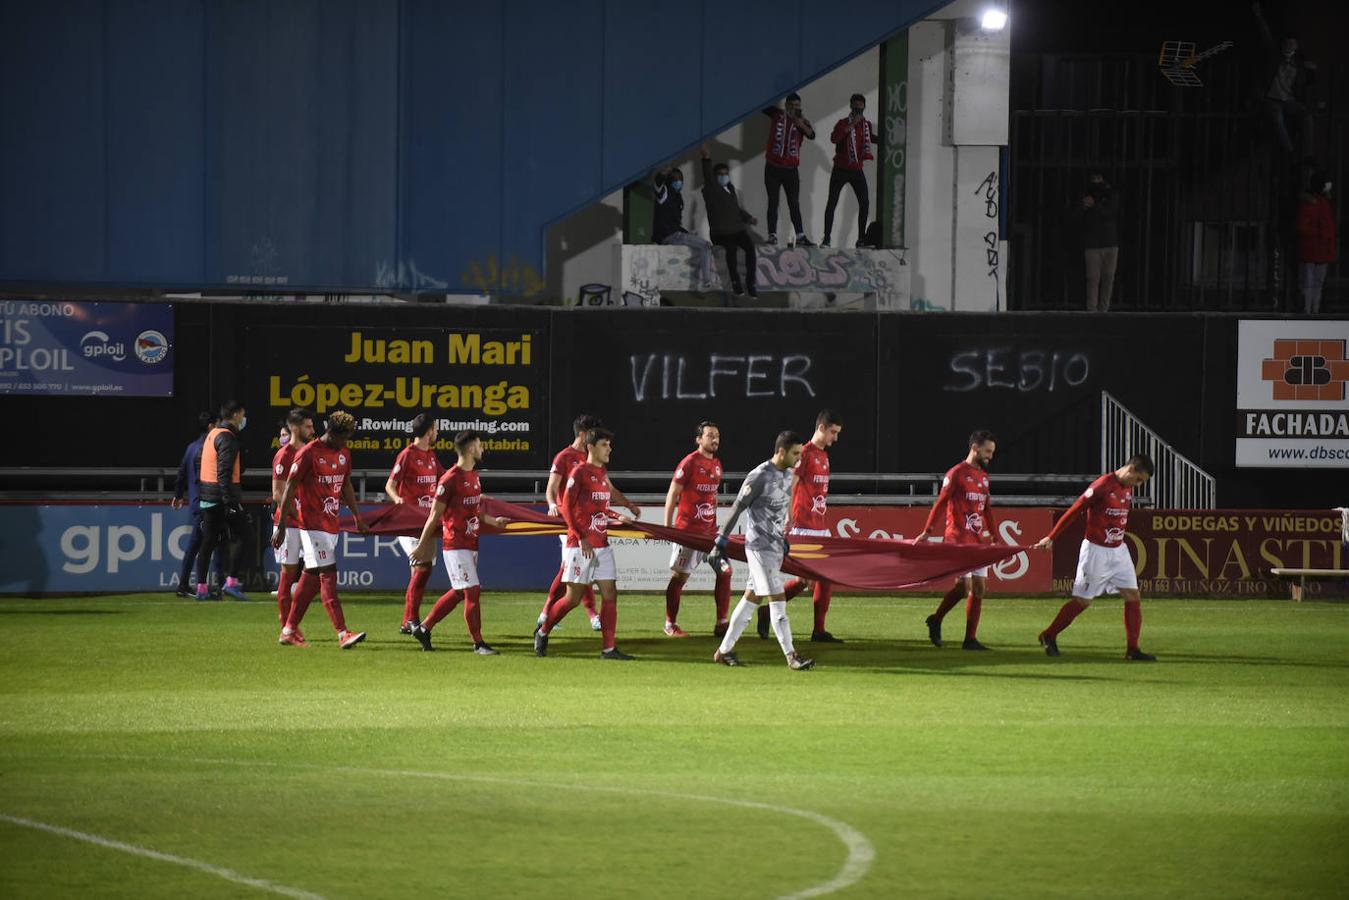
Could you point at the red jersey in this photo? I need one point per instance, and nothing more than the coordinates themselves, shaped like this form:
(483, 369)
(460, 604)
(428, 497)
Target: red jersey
(852, 143)
(585, 506)
(1107, 504)
(784, 141)
(810, 497)
(280, 472)
(964, 493)
(700, 478)
(415, 474)
(320, 471)
(567, 459)
(461, 492)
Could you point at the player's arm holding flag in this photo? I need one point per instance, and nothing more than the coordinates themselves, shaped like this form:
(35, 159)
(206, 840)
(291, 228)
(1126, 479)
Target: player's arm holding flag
(300, 467)
(571, 515)
(671, 497)
(621, 499)
(749, 491)
(349, 498)
(943, 498)
(1079, 506)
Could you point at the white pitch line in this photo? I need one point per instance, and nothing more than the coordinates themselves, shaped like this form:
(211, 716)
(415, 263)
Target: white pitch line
(227, 874)
(861, 852)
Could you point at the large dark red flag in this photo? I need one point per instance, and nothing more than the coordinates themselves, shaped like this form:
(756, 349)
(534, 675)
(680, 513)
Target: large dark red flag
(851, 562)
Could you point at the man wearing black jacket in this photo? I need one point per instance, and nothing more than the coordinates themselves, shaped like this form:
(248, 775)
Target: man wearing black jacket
(222, 502)
(726, 220)
(667, 225)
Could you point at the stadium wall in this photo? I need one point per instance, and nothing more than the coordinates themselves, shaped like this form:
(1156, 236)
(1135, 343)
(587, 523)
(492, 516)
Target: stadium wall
(909, 387)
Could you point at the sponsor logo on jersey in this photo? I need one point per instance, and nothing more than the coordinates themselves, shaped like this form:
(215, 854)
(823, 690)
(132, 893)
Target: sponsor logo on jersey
(974, 522)
(705, 512)
(599, 523)
(330, 506)
(819, 504)
(1114, 535)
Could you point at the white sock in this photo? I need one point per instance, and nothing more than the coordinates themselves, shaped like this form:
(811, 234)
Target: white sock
(744, 611)
(777, 612)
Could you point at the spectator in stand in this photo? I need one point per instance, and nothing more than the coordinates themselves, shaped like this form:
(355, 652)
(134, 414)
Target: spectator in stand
(1098, 225)
(187, 492)
(726, 221)
(1284, 81)
(782, 162)
(1316, 241)
(667, 225)
(852, 138)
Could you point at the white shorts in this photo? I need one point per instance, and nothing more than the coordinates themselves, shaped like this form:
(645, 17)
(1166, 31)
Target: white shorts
(320, 549)
(288, 554)
(576, 569)
(976, 573)
(1103, 570)
(408, 544)
(765, 573)
(463, 568)
(685, 559)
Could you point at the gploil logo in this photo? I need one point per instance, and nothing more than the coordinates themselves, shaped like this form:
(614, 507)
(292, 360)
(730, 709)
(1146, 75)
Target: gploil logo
(97, 345)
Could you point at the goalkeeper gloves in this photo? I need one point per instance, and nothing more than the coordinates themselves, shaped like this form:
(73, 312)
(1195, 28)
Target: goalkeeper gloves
(717, 558)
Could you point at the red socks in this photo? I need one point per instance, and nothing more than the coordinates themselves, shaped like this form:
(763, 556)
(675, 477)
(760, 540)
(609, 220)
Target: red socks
(588, 601)
(412, 599)
(444, 606)
(1133, 621)
(1071, 610)
(973, 606)
(283, 594)
(949, 600)
(304, 594)
(793, 587)
(824, 591)
(473, 613)
(722, 594)
(556, 591)
(557, 611)
(328, 590)
(608, 622)
(672, 593)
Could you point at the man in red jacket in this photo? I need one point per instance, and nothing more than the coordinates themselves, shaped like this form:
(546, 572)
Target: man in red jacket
(852, 138)
(782, 162)
(1315, 240)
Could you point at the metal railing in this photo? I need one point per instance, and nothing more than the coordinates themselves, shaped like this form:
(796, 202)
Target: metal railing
(1178, 482)
(33, 483)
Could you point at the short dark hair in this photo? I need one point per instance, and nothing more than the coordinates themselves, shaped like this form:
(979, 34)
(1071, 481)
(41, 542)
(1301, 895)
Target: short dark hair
(422, 423)
(674, 173)
(297, 416)
(341, 422)
(206, 421)
(584, 423)
(595, 435)
(703, 426)
(979, 435)
(721, 167)
(857, 97)
(793, 96)
(787, 439)
(464, 438)
(1141, 462)
(828, 417)
(229, 408)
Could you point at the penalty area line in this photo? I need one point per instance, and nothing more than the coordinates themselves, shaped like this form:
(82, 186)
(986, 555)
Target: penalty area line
(146, 853)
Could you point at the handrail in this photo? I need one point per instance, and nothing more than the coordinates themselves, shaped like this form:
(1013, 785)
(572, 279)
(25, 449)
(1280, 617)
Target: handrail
(1177, 483)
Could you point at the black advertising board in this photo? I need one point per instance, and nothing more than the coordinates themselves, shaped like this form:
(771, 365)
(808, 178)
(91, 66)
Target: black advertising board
(488, 379)
(652, 378)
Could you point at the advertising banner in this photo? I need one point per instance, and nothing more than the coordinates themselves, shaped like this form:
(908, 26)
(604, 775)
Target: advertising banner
(1221, 552)
(65, 348)
(1292, 394)
(485, 379)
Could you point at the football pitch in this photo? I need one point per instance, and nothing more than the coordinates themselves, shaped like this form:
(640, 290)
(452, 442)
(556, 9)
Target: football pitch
(154, 747)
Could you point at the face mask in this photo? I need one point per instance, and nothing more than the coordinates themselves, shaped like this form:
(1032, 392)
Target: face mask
(242, 422)
(677, 185)
(283, 440)
(723, 180)
(858, 112)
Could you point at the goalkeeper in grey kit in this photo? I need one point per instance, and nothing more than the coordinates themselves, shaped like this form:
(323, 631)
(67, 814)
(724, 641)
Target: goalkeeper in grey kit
(765, 500)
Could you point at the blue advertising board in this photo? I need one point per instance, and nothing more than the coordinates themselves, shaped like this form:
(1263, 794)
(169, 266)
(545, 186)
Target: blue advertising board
(81, 548)
(62, 347)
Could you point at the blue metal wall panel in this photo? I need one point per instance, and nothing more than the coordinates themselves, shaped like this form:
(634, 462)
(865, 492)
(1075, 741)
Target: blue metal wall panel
(396, 144)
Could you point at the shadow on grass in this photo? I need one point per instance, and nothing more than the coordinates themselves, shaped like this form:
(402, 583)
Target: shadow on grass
(60, 612)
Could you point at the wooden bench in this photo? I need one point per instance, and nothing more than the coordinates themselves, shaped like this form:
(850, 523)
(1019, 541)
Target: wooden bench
(1303, 574)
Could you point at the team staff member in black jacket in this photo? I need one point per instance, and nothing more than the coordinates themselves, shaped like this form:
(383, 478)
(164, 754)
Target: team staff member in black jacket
(222, 502)
(726, 220)
(667, 225)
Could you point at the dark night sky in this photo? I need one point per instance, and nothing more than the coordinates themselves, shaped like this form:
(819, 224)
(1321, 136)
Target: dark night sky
(1110, 26)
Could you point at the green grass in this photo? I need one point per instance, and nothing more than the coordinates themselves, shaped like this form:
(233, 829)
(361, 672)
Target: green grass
(1222, 770)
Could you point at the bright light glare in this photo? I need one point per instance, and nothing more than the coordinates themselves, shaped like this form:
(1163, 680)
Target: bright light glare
(994, 20)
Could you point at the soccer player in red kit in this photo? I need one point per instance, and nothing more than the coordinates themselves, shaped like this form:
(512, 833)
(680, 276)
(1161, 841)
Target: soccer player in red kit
(588, 557)
(413, 480)
(810, 500)
(1103, 563)
(320, 483)
(457, 504)
(691, 503)
(964, 495)
(568, 458)
(300, 431)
